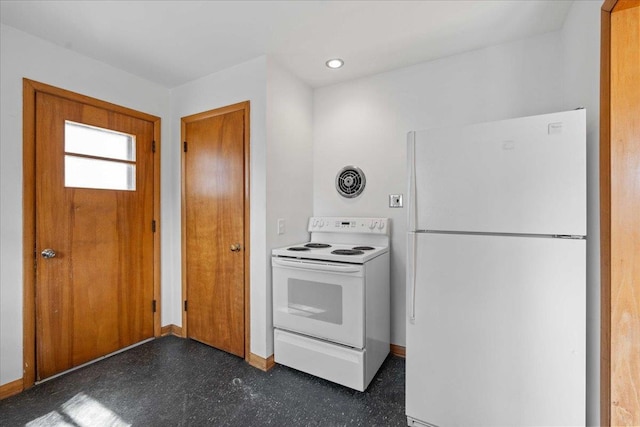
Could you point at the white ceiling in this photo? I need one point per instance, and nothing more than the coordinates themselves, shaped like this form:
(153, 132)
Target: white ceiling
(173, 42)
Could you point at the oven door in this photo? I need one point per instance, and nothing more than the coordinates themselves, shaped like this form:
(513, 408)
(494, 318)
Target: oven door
(321, 299)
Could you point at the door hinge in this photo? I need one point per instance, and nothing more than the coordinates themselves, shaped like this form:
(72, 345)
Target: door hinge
(153, 226)
(153, 146)
(184, 146)
(154, 306)
(185, 305)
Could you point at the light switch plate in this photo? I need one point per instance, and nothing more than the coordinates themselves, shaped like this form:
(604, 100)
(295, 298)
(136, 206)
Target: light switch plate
(281, 226)
(395, 200)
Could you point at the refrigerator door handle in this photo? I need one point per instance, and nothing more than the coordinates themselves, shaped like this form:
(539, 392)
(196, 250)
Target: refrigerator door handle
(411, 276)
(411, 221)
(411, 202)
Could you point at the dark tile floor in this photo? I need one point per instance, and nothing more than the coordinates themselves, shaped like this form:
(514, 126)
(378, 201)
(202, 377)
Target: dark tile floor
(176, 382)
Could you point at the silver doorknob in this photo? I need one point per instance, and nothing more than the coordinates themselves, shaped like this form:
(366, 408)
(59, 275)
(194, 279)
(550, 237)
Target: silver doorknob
(235, 247)
(48, 253)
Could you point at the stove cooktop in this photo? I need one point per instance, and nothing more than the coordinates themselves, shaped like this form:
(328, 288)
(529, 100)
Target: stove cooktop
(352, 253)
(353, 240)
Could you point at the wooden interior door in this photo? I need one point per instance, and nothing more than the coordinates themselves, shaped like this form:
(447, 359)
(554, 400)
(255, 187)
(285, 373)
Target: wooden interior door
(620, 213)
(214, 238)
(95, 287)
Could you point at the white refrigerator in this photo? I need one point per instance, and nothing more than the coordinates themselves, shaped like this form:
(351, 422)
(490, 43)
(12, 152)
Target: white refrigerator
(496, 273)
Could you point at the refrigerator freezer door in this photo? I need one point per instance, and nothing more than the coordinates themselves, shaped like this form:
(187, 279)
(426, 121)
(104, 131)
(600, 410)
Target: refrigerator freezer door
(521, 176)
(498, 336)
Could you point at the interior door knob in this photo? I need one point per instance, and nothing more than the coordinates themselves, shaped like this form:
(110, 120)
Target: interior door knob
(235, 247)
(48, 253)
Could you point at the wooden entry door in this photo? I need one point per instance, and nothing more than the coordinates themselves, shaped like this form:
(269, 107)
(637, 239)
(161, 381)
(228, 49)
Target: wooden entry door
(215, 219)
(94, 232)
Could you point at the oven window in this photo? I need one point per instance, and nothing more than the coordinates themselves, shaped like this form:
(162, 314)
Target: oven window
(315, 300)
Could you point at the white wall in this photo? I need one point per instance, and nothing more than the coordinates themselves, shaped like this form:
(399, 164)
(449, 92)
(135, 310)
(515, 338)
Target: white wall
(246, 81)
(364, 123)
(581, 54)
(22, 55)
(289, 167)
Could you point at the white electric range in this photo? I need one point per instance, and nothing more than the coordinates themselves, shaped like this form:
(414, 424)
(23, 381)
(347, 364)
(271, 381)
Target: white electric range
(331, 300)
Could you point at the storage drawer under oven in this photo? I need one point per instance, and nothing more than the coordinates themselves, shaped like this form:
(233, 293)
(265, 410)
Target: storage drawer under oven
(332, 362)
(320, 299)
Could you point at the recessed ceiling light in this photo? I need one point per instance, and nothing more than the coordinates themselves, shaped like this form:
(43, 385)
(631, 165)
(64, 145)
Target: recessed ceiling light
(335, 63)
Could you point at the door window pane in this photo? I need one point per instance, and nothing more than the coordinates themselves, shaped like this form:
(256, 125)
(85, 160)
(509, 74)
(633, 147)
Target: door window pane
(85, 172)
(98, 158)
(98, 142)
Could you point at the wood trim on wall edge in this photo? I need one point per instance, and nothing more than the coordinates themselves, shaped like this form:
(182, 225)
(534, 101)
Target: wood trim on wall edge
(247, 229)
(608, 5)
(605, 212)
(619, 5)
(11, 388)
(261, 363)
(172, 329)
(157, 240)
(28, 233)
(398, 350)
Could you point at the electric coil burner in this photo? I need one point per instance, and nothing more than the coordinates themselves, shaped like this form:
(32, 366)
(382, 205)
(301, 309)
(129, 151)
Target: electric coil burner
(347, 252)
(331, 300)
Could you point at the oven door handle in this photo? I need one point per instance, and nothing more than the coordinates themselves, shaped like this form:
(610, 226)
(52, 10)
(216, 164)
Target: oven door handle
(319, 267)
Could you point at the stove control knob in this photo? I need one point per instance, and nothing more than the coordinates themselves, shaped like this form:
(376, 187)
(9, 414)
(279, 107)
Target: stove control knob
(372, 225)
(381, 225)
